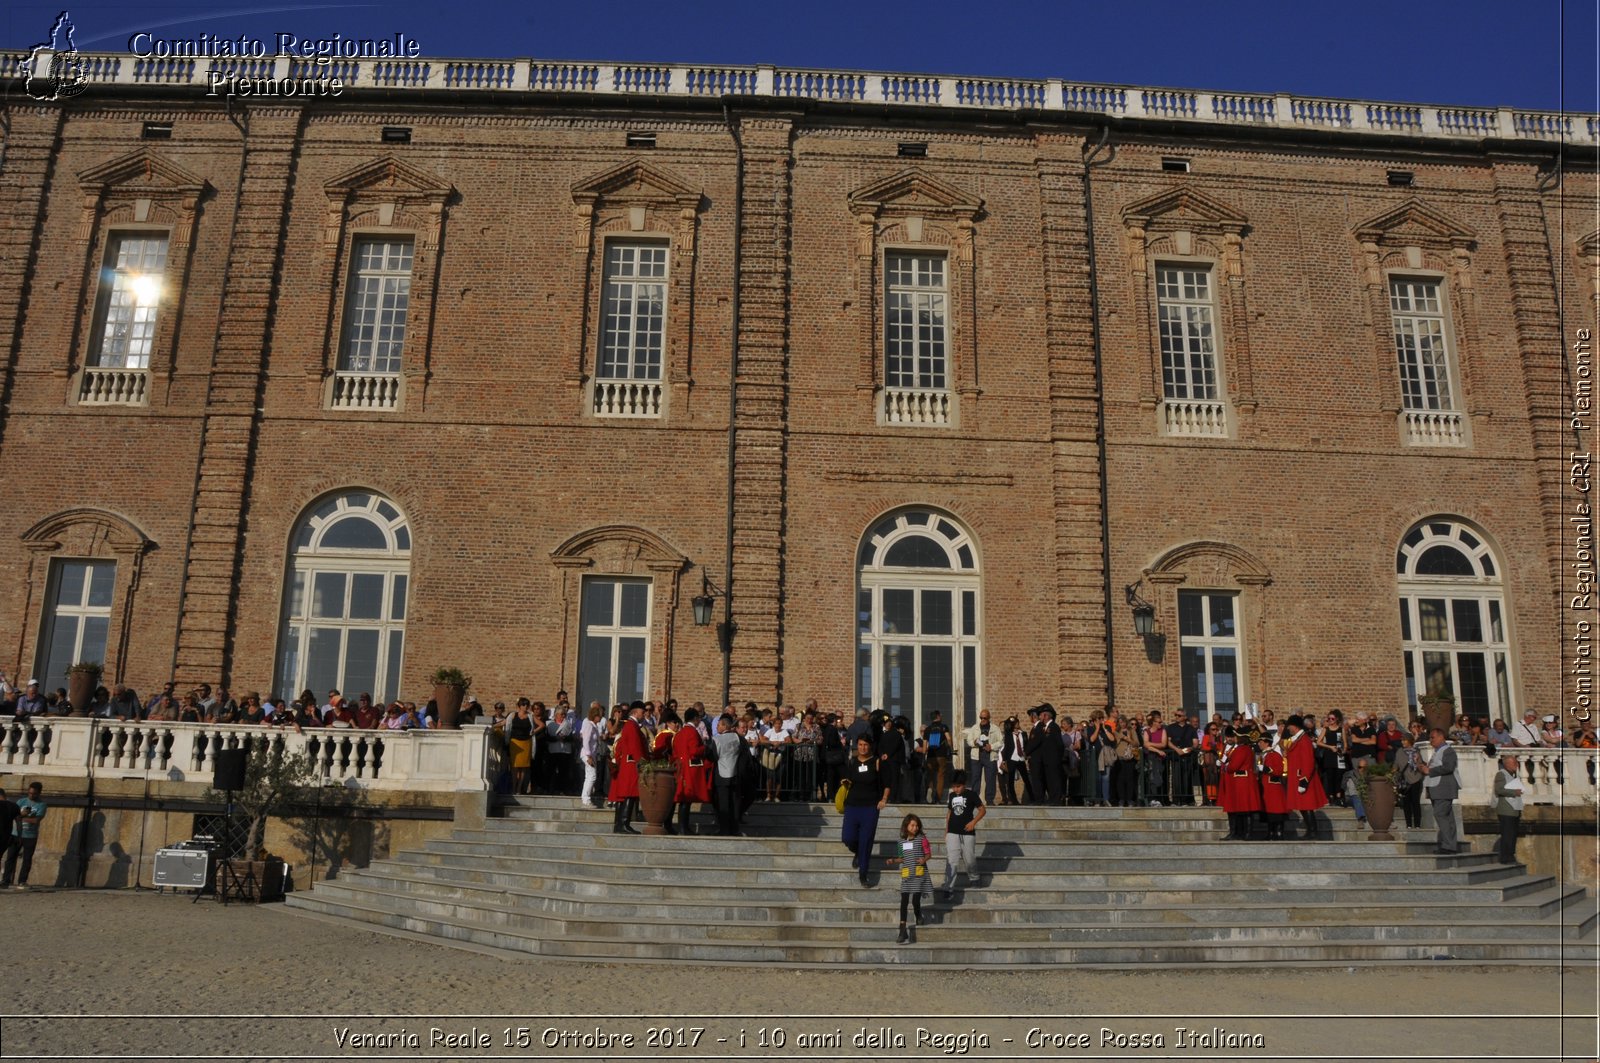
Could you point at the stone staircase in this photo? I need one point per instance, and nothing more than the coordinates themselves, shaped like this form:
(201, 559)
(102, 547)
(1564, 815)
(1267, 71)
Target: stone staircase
(1066, 887)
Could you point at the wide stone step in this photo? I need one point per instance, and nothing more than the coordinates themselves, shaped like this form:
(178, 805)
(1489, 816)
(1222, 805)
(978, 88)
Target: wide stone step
(961, 911)
(665, 949)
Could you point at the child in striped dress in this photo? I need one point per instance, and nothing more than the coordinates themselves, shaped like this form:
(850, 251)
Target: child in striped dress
(915, 883)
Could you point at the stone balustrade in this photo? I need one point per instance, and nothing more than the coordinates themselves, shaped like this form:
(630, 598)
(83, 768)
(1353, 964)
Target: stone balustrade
(501, 76)
(75, 747)
(627, 398)
(114, 387)
(1550, 777)
(1194, 417)
(365, 391)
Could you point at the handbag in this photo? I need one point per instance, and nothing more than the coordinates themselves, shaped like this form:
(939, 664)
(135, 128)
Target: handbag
(839, 796)
(1108, 756)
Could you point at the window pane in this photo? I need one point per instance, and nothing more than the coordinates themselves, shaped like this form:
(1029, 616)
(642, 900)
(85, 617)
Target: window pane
(598, 603)
(1430, 611)
(969, 685)
(355, 533)
(969, 612)
(898, 611)
(1225, 680)
(1469, 620)
(322, 661)
(366, 596)
(288, 661)
(1502, 682)
(402, 538)
(1437, 678)
(938, 683)
(594, 670)
(864, 612)
(864, 677)
(1221, 615)
(327, 595)
(297, 594)
(1411, 682)
(635, 604)
(1474, 674)
(917, 551)
(391, 670)
(1405, 620)
(397, 598)
(1497, 628)
(59, 657)
(102, 576)
(360, 662)
(938, 616)
(1444, 560)
(1191, 622)
(1192, 669)
(964, 552)
(74, 574)
(899, 680)
(630, 669)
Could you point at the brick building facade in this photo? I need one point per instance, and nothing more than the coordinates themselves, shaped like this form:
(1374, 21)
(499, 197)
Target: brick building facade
(925, 390)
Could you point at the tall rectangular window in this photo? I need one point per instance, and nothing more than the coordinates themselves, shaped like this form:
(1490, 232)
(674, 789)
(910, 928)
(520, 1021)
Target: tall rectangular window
(130, 297)
(376, 306)
(77, 618)
(915, 308)
(634, 309)
(1417, 308)
(614, 654)
(1188, 336)
(1208, 653)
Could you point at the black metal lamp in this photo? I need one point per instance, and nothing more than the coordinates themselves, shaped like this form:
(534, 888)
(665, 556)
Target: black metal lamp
(1144, 614)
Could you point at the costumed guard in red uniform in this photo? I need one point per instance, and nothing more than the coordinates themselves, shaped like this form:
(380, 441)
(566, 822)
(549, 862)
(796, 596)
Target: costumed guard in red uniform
(1240, 795)
(1274, 789)
(1305, 793)
(626, 753)
(694, 770)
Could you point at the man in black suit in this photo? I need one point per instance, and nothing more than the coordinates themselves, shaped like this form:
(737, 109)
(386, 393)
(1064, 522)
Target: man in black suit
(1047, 757)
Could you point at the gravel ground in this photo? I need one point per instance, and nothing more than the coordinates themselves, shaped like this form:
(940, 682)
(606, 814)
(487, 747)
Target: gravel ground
(123, 975)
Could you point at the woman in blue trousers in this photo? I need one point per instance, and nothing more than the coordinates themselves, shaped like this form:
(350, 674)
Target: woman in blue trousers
(869, 792)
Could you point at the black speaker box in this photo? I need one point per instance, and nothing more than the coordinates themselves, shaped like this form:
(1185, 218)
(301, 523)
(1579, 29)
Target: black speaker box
(228, 769)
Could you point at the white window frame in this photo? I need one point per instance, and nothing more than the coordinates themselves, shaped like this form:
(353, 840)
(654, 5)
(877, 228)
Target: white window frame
(1190, 409)
(629, 364)
(78, 613)
(615, 631)
(963, 576)
(361, 353)
(1484, 588)
(1209, 644)
(135, 292)
(1430, 416)
(309, 557)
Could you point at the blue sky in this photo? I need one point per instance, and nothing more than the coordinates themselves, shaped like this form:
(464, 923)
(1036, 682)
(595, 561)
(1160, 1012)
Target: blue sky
(1539, 53)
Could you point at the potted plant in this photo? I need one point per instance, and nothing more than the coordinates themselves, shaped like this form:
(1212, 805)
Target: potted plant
(658, 785)
(1438, 710)
(449, 687)
(82, 679)
(1375, 784)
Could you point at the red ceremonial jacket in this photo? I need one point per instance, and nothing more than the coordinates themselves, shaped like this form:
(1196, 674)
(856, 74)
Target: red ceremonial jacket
(1274, 795)
(1303, 768)
(625, 756)
(694, 770)
(1241, 794)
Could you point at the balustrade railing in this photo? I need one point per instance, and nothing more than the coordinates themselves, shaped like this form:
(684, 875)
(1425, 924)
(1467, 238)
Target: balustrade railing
(1194, 417)
(917, 406)
(114, 387)
(365, 391)
(1434, 428)
(891, 89)
(1549, 776)
(627, 398)
(75, 747)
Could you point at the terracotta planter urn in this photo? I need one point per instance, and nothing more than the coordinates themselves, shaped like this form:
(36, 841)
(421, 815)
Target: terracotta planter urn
(1380, 809)
(656, 791)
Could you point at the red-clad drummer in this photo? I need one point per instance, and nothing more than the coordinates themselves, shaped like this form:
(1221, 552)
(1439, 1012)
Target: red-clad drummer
(694, 770)
(1240, 795)
(626, 753)
(1305, 793)
(1274, 788)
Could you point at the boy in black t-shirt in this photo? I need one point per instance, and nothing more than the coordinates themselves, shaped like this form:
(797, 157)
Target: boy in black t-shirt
(963, 811)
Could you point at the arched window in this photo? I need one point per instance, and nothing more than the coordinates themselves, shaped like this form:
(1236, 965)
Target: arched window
(919, 619)
(344, 609)
(1453, 621)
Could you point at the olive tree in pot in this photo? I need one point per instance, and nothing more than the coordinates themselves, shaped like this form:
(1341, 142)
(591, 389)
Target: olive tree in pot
(82, 679)
(449, 688)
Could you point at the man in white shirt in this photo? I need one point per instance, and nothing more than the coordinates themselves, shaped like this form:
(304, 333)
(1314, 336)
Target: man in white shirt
(1526, 733)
